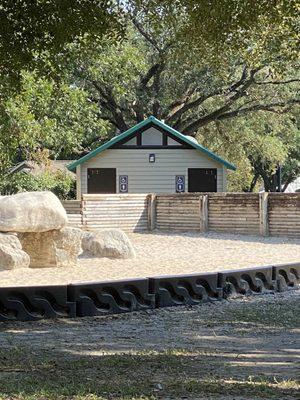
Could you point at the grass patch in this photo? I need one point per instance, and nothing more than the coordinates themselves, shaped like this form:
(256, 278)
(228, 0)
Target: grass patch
(140, 376)
(215, 372)
(263, 314)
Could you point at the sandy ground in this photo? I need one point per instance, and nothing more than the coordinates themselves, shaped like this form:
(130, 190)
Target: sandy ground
(246, 348)
(167, 254)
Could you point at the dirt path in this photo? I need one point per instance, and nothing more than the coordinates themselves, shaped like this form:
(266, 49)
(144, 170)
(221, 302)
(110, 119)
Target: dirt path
(246, 348)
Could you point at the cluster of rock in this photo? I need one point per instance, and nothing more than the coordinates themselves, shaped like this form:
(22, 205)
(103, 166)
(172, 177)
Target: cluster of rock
(11, 254)
(34, 233)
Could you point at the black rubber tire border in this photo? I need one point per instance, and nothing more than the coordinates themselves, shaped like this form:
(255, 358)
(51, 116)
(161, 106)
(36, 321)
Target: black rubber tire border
(33, 303)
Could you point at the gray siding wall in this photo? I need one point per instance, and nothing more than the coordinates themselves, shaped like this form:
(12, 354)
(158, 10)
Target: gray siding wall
(158, 177)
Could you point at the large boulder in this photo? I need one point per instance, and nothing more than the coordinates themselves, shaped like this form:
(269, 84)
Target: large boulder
(111, 243)
(11, 254)
(10, 239)
(31, 212)
(56, 248)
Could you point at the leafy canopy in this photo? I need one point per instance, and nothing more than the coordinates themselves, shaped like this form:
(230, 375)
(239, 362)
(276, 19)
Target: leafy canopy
(30, 27)
(223, 71)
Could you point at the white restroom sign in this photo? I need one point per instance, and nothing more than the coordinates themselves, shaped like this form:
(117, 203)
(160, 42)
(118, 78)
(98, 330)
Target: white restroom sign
(123, 183)
(180, 183)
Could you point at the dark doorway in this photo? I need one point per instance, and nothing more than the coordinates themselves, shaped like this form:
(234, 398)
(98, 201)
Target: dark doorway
(101, 180)
(202, 179)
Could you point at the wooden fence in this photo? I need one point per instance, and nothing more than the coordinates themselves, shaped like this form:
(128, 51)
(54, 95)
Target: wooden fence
(73, 209)
(276, 214)
(284, 214)
(175, 212)
(96, 211)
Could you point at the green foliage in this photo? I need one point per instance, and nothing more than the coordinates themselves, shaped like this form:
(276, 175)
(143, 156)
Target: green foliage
(29, 27)
(249, 30)
(58, 182)
(46, 114)
(256, 144)
(291, 166)
(224, 71)
(243, 114)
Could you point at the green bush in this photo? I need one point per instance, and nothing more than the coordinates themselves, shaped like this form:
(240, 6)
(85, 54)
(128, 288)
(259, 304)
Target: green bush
(58, 182)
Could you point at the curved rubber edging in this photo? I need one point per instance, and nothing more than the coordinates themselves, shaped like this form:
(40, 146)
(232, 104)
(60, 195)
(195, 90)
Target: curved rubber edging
(103, 298)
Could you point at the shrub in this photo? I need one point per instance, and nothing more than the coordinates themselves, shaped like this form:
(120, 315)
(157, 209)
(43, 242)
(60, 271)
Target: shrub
(58, 182)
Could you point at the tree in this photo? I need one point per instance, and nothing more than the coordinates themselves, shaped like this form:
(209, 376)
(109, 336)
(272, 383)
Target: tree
(217, 29)
(231, 81)
(58, 182)
(30, 27)
(47, 114)
(139, 77)
(257, 143)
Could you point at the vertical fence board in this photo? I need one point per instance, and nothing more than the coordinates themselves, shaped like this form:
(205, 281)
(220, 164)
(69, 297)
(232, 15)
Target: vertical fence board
(263, 214)
(203, 204)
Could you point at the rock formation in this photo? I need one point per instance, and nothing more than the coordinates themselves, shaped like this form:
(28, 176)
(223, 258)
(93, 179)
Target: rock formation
(31, 212)
(41, 238)
(11, 254)
(111, 243)
(56, 248)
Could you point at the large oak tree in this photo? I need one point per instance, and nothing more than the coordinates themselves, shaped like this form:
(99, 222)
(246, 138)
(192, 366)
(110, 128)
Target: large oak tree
(224, 71)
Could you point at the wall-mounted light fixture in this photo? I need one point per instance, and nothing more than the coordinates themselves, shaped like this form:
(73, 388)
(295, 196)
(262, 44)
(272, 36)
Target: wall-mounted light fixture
(151, 158)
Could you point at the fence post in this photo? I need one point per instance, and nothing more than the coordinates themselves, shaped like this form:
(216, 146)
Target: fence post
(263, 214)
(83, 213)
(203, 212)
(151, 212)
(78, 182)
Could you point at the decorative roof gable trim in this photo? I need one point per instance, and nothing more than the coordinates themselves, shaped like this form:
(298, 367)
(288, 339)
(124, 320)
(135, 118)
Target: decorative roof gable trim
(72, 166)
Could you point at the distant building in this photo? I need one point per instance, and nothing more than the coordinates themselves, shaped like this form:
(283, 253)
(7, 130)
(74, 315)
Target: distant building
(294, 186)
(36, 169)
(151, 157)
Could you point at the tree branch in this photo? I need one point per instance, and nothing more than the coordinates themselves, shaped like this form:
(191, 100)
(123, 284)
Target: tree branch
(145, 34)
(271, 107)
(243, 82)
(191, 126)
(154, 69)
(277, 82)
(188, 106)
(111, 105)
(153, 72)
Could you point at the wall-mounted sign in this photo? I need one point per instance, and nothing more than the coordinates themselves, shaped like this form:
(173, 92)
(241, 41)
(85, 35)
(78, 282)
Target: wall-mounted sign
(151, 158)
(180, 183)
(123, 183)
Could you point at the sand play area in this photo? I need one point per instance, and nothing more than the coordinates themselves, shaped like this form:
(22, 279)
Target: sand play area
(167, 254)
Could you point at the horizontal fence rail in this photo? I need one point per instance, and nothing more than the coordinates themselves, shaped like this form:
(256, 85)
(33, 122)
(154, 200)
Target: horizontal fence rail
(178, 212)
(237, 213)
(114, 297)
(284, 214)
(74, 211)
(275, 214)
(128, 212)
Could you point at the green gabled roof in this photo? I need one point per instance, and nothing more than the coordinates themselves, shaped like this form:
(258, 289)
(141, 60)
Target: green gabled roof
(140, 125)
